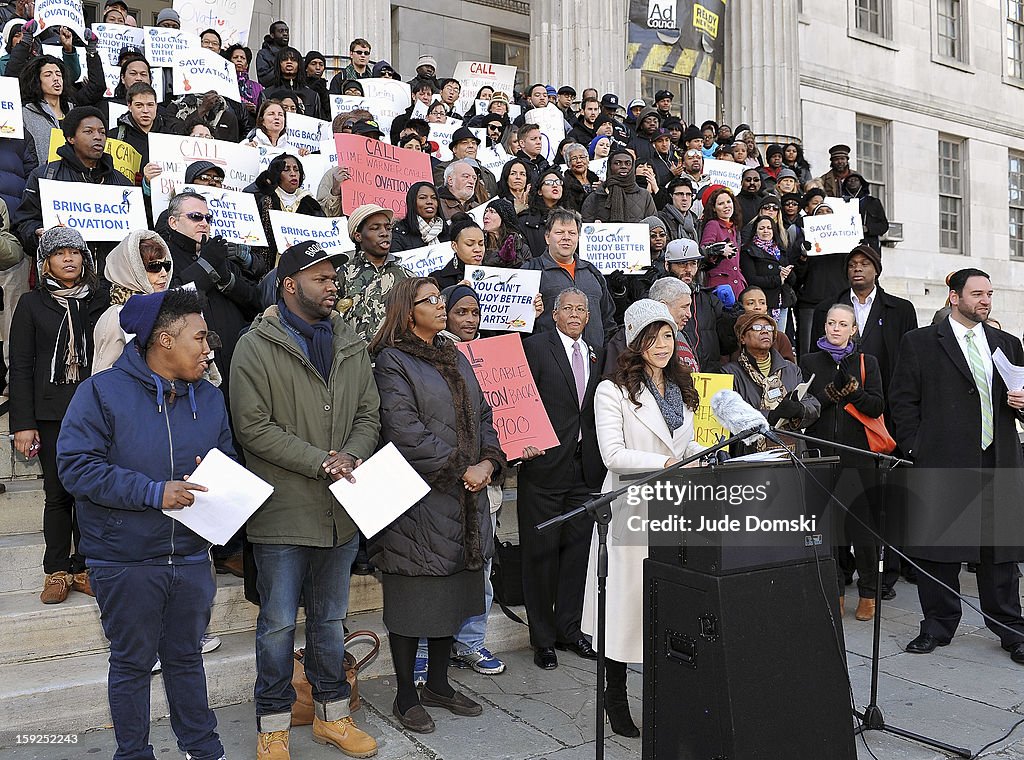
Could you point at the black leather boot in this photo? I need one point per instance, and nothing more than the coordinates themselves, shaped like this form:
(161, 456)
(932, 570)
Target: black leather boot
(616, 706)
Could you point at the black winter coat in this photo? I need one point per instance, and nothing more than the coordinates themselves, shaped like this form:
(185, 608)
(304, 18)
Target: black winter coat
(418, 416)
(33, 336)
(761, 269)
(405, 238)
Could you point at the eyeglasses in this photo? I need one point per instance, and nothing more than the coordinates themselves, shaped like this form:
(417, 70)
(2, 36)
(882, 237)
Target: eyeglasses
(213, 179)
(432, 299)
(360, 52)
(195, 216)
(574, 309)
(761, 328)
(770, 207)
(155, 266)
(683, 194)
(552, 182)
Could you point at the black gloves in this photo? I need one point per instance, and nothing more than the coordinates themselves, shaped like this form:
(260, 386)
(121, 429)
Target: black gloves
(840, 379)
(788, 408)
(215, 252)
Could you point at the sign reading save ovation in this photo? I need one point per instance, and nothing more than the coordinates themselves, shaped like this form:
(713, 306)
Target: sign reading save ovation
(197, 71)
(99, 212)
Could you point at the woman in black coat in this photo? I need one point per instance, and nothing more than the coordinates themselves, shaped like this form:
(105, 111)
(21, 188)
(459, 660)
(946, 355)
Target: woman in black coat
(547, 195)
(279, 188)
(433, 411)
(764, 263)
(837, 367)
(51, 351)
(468, 245)
(423, 223)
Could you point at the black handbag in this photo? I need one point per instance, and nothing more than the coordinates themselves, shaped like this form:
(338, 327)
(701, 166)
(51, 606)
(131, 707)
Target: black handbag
(507, 577)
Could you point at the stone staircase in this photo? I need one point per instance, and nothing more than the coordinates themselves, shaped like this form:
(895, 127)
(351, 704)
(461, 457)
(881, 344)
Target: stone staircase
(53, 658)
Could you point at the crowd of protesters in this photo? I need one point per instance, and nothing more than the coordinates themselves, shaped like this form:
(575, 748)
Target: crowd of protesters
(128, 362)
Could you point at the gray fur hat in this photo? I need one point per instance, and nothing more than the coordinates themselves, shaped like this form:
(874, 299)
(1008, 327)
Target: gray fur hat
(56, 238)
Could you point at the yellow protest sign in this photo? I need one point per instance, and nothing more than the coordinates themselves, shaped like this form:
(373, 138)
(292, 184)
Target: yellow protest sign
(707, 429)
(127, 160)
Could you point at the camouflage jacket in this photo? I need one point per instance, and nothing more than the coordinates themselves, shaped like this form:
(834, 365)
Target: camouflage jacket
(367, 287)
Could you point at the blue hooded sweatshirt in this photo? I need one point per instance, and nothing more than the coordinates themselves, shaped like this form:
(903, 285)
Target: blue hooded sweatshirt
(126, 432)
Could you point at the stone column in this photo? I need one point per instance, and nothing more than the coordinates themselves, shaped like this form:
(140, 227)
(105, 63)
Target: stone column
(762, 68)
(329, 25)
(579, 43)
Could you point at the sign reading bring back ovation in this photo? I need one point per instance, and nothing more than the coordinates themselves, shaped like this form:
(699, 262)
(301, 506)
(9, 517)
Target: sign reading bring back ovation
(99, 212)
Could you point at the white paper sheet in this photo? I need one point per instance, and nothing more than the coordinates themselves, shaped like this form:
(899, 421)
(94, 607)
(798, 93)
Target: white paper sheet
(1013, 376)
(234, 494)
(386, 472)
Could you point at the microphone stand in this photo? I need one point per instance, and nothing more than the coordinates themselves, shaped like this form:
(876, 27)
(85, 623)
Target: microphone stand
(600, 508)
(872, 718)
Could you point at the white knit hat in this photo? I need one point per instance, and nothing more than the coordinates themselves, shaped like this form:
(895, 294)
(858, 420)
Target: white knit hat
(644, 312)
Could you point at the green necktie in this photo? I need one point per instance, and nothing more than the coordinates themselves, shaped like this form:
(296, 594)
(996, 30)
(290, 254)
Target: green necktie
(984, 393)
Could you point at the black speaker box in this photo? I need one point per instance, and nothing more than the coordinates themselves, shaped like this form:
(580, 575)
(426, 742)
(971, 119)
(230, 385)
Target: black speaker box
(747, 666)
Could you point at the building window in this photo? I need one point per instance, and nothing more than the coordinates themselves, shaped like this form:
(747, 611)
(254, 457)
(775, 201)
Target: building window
(952, 221)
(682, 93)
(1017, 205)
(1015, 38)
(512, 51)
(872, 17)
(950, 29)
(873, 155)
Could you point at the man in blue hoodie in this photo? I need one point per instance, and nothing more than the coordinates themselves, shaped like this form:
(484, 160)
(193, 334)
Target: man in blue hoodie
(131, 436)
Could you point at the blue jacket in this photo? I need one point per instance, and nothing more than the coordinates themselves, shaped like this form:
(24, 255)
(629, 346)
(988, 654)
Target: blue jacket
(121, 440)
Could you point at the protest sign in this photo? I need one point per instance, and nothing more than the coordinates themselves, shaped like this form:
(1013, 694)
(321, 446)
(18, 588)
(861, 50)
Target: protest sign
(115, 111)
(230, 18)
(173, 153)
(394, 90)
(706, 427)
(330, 232)
(379, 173)
(429, 258)
(200, 70)
(442, 135)
(126, 159)
(838, 232)
(600, 167)
(60, 13)
(616, 247)
(162, 43)
(552, 125)
(314, 167)
(306, 131)
(506, 297)
(235, 216)
(473, 75)
(493, 159)
(383, 110)
(99, 212)
(518, 413)
(726, 173)
(12, 125)
(419, 111)
(113, 38)
(111, 78)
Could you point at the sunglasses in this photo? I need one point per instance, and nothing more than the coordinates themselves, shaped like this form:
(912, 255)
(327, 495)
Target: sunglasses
(360, 52)
(155, 266)
(213, 179)
(195, 216)
(762, 328)
(770, 206)
(432, 299)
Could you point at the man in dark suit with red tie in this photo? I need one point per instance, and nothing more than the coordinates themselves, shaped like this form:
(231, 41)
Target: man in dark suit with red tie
(567, 370)
(954, 416)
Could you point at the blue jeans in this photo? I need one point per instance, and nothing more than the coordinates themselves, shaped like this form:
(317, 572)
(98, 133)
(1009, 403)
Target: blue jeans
(320, 577)
(149, 611)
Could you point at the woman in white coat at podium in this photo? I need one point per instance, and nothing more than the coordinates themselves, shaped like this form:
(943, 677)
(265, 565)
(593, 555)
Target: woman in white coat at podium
(644, 417)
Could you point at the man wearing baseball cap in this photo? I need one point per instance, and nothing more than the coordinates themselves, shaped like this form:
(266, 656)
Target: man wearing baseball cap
(372, 272)
(306, 414)
(682, 260)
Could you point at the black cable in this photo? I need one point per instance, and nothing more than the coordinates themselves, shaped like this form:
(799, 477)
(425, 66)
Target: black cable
(1001, 738)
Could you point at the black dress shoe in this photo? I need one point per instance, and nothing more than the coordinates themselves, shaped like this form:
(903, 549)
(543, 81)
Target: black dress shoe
(888, 594)
(581, 647)
(545, 658)
(924, 644)
(1017, 653)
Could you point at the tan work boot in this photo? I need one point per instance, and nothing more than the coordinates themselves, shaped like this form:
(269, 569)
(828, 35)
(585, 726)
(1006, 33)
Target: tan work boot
(272, 745)
(865, 609)
(56, 587)
(80, 583)
(344, 735)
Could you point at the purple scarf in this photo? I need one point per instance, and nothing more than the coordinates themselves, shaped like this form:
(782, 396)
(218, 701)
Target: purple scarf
(837, 353)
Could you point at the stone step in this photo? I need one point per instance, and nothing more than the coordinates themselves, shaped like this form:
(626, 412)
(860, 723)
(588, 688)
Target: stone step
(36, 631)
(70, 694)
(21, 507)
(21, 562)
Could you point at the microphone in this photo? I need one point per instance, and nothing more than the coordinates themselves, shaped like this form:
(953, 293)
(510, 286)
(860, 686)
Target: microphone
(741, 419)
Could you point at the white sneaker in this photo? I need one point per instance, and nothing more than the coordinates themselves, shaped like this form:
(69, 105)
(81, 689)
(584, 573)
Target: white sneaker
(208, 643)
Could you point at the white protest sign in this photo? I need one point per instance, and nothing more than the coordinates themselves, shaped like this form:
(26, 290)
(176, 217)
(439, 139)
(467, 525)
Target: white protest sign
(231, 18)
(346, 103)
(199, 71)
(235, 216)
(600, 167)
(477, 212)
(442, 135)
(616, 247)
(398, 92)
(423, 261)
(838, 232)
(330, 232)
(61, 13)
(552, 124)
(419, 111)
(12, 126)
(314, 167)
(473, 75)
(726, 173)
(111, 77)
(506, 297)
(99, 212)
(307, 132)
(493, 159)
(162, 43)
(482, 105)
(174, 153)
(156, 76)
(116, 111)
(113, 38)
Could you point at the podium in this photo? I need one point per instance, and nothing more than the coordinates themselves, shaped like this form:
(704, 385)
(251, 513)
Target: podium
(744, 654)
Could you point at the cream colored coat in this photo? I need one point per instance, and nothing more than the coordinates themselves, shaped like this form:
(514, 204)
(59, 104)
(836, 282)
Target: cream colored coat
(632, 441)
